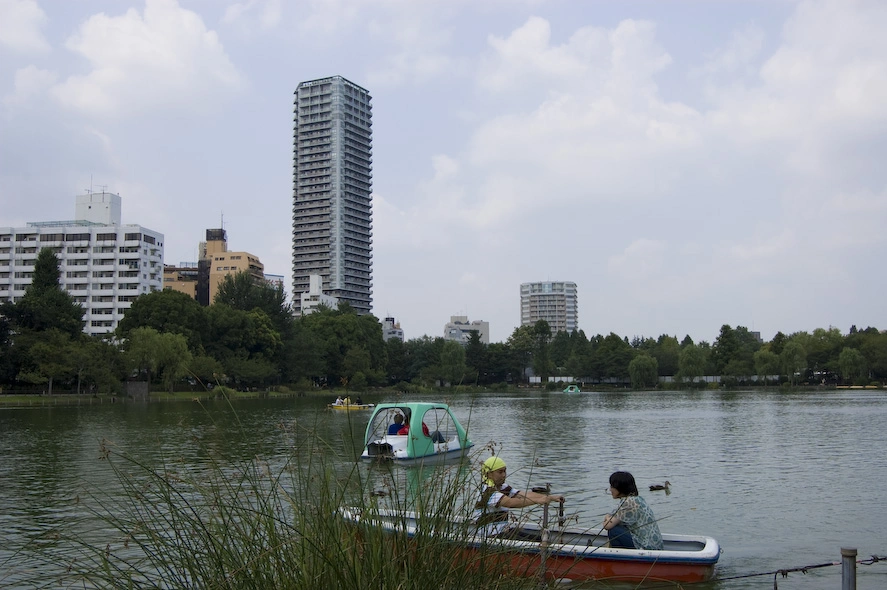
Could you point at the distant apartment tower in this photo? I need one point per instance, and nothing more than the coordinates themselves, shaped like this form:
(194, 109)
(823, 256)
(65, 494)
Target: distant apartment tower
(332, 191)
(459, 329)
(201, 280)
(103, 264)
(556, 302)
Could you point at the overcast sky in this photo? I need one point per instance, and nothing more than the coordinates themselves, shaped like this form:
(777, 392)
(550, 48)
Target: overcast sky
(688, 164)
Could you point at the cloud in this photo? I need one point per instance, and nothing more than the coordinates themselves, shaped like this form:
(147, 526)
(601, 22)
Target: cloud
(264, 13)
(422, 37)
(20, 24)
(738, 56)
(30, 82)
(164, 58)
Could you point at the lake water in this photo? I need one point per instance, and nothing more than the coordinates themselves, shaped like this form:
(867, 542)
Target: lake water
(782, 480)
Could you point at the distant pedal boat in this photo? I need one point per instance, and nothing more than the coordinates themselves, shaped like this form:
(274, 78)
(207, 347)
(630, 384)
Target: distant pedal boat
(435, 435)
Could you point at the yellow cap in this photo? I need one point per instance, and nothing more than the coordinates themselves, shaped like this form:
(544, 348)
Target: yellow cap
(491, 464)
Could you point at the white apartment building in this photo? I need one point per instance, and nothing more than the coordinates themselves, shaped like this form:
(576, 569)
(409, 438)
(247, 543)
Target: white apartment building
(312, 299)
(103, 264)
(391, 329)
(459, 329)
(556, 302)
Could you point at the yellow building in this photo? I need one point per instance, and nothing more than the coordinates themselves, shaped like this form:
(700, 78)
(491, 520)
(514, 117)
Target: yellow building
(182, 278)
(202, 280)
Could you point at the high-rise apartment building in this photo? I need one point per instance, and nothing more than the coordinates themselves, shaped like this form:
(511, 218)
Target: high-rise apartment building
(103, 264)
(332, 191)
(556, 302)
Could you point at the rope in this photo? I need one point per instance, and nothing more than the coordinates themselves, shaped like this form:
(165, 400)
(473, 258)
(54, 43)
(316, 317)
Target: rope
(785, 572)
(872, 559)
(803, 569)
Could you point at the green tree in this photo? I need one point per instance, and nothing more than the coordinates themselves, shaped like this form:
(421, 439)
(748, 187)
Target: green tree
(335, 332)
(874, 349)
(396, 368)
(51, 357)
(45, 306)
(501, 366)
(96, 363)
(521, 343)
(167, 311)
(778, 343)
(823, 349)
(667, 353)
(611, 357)
(561, 350)
(476, 357)
(206, 370)
(644, 371)
(422, 354)
(766, 363)
(725, 349)
(852, 365)
(542, 365)
(357, 360)
(691, 363)
(452, 363)
(242, 291)
(172, 358)
(142, 348)
(793, 359)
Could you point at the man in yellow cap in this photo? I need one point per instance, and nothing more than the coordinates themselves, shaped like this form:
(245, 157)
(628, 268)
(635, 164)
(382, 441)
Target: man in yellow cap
(491, 510)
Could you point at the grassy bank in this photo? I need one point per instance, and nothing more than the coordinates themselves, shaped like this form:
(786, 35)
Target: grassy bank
(262, 524)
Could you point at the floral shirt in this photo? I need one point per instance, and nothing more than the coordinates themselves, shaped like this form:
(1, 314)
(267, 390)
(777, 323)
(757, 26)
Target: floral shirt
(637, 516)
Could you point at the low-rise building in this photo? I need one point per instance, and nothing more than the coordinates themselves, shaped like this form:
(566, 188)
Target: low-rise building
(391, 329)
(201, 280)
(459, 329)
(315, 297)
(103, 264)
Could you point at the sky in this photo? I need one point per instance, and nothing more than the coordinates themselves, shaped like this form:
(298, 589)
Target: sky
(688, 164)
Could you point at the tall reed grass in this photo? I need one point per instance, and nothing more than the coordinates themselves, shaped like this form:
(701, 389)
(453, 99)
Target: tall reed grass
(262, 524)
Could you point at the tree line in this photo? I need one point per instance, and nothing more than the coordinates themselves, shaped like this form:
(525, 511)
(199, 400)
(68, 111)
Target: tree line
(248, 338)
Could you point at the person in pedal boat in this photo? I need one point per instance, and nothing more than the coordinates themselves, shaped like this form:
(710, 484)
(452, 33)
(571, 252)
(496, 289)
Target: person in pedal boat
(496, 498)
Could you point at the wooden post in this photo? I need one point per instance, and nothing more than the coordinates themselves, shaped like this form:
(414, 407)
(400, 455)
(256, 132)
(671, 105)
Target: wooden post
(848, 568)
(543, 544)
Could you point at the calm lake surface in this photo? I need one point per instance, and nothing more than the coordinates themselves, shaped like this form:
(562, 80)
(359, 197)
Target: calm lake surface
(781, 480)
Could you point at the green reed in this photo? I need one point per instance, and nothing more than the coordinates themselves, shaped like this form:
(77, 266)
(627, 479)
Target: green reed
(268, 523)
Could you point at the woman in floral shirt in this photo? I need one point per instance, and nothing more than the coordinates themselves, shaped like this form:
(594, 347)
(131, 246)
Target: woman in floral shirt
(633, 525)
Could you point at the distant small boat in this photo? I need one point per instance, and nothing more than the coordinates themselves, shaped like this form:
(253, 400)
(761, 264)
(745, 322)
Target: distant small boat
(572, 389)
(347, 407)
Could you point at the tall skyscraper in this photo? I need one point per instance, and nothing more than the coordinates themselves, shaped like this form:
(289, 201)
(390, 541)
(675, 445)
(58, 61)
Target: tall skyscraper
(332, 191)
(556, 302)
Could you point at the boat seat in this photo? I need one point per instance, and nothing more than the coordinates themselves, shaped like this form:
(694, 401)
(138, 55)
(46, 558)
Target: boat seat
(437, 437)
